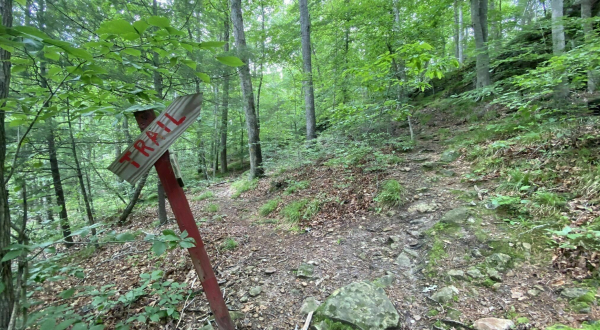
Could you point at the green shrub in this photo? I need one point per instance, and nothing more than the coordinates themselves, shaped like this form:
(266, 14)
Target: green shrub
(229, 244)
(391, 194)
(549, 198)
(295, 186)
(213, 208)
(242, 185)
(293, 211)
(269, 207)
(203, 196)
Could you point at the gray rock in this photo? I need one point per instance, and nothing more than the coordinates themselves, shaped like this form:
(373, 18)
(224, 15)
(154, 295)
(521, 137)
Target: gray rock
(411, 252)
(445, 294)
(255, 291)
(305, 270)
(270, 270)
(474, 273)
(492, 323)
(361, 305)
(498, 260)
(476, 253)
(449, 156)
(309, 304)
(244, 299)
(385, 281)
(207, 327)
(456, 273)
(403, 260)
(494, 274)
(423, 207)
(445, 172)
(574, 293)
(457, 216)
(430, 165)
(533, 292)
(394, 239)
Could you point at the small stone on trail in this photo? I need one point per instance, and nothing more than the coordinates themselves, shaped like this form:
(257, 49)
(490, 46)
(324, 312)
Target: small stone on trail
(385, 281)
(499, 260)
(403, 260)
(411, 252)
(305, 270)
(207, 327)
(270, 270)
(449, 156)
(423, 207)
(526, 246)
(304, 284)
(244, 299)
(456, 273)
(309, 304)
(533, 292)
(492, 323)
(474, 273)
(445, 295)
(405, 169)
(255, 291)
(494, 274)
(457, 216)
(476, 253)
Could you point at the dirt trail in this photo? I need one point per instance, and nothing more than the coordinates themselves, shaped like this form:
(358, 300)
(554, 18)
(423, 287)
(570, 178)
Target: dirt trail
(356, 245)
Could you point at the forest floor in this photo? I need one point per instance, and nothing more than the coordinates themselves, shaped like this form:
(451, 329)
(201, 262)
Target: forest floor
(349, 240)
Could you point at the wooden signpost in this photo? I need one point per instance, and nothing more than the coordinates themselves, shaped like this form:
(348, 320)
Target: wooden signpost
(150, 148)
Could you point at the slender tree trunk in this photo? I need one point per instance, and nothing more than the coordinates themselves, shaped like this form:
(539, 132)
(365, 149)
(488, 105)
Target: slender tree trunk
(479, 14)
(58, 189)
(225, 105)
(586, 14)
(216, 149)
(461, 34)
(558, 45)
(88, 209)
(22, 268)
(309, 96)
(7, 297)
(262, 61)
(256, 169)
(134, 199)
(158, 87)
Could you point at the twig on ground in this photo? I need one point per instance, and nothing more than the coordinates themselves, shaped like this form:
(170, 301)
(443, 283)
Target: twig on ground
(308, 319)
(457, 324)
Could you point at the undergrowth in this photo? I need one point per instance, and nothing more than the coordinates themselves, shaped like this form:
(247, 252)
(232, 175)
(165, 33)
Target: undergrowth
(242, 185)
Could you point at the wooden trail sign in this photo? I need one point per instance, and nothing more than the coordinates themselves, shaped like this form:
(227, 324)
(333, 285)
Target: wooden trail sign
(154, 141)
(147, 121)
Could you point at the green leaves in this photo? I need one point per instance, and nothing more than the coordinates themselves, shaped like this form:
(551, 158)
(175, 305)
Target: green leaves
(12, 254)
(116, 26)
(203, 76)
(159, 248)
(230, 61)
(159, 21)
(67, 294)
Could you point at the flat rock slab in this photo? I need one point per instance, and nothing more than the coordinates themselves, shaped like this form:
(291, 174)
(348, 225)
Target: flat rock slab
(361, 305)
(457, 216)
(305, 271)
(492, 323)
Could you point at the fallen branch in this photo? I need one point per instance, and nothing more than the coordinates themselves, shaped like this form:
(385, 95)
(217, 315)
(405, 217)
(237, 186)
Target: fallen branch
(308, 319)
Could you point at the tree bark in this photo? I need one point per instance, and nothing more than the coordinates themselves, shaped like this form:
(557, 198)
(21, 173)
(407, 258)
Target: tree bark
(134, 199)
(479, 17)
(586, 14)
(309, 96)
(88, 209)
(558, 45)
(256, 169)
(58, 189)
(7, 297)
(225, 105)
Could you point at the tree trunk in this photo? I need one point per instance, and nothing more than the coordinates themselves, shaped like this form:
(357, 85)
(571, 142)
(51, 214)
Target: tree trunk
(479, 17)
(225, 105)
(309, 96)
(58, 189)
(7, 297)
(216, 149)
(586, 14)
(158, 87)
(558, 45)
(262, 61)
(88, 209)
(134, 199)
(256, 169)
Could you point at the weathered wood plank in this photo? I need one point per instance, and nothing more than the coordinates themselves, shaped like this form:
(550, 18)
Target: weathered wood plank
(156, 138)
